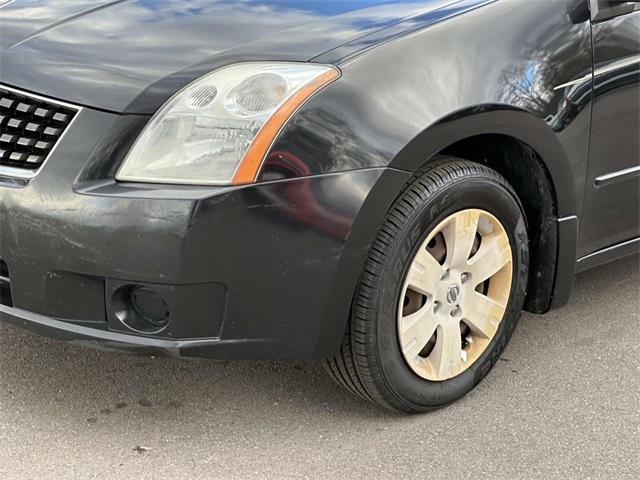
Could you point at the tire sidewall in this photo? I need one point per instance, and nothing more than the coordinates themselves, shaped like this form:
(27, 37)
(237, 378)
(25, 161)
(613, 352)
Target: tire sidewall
(471, 192)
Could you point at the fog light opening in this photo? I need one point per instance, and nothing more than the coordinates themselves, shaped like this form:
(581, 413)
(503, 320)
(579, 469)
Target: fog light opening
(141, 309)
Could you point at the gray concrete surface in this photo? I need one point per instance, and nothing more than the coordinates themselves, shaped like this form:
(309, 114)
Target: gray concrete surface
(564, 402)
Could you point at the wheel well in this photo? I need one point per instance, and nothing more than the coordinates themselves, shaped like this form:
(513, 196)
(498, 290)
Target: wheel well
(527, 174)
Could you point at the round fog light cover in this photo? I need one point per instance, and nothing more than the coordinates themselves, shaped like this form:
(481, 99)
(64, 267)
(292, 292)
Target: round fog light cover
(151, 307)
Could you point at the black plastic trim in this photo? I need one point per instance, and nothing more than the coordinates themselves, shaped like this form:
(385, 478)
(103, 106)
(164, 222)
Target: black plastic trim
(565, 272)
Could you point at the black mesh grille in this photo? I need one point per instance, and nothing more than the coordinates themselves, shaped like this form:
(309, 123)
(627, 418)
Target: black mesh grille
(29, 128)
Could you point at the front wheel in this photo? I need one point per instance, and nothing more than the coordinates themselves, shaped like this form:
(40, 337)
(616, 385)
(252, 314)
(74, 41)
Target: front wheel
(441, 292)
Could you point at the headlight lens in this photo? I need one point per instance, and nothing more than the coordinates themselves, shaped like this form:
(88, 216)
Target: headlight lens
(217, 130)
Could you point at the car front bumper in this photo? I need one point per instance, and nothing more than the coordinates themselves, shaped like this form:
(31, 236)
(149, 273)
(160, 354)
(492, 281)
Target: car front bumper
(260, 271)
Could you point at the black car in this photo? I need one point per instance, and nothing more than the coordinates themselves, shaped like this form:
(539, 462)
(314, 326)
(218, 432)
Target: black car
(381, 185)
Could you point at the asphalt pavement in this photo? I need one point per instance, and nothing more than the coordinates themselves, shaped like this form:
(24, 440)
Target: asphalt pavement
(564, 402)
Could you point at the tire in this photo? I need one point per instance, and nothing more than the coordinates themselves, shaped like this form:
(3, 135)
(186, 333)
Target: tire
(371, 362)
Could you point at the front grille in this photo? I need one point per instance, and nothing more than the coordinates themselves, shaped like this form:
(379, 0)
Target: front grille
(30, 127)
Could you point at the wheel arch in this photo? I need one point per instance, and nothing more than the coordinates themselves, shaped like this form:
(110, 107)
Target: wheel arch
(498, 120)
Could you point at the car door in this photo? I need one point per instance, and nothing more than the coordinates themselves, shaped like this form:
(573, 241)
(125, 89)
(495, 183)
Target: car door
(611, 213)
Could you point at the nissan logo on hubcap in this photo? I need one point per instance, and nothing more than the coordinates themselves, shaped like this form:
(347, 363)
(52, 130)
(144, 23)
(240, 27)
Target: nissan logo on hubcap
(453, 293)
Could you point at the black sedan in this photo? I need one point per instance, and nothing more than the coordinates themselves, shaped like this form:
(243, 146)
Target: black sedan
(381, 185)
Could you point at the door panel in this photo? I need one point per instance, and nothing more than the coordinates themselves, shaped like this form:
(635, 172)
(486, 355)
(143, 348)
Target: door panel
(612, 205)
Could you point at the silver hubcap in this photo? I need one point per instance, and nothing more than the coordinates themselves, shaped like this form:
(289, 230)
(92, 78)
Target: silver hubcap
(455, 294)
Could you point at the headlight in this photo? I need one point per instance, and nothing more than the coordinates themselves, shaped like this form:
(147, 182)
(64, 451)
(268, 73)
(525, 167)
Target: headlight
(218, 129)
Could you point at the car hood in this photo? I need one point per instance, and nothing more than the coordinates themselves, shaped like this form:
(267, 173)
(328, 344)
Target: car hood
(131, 55)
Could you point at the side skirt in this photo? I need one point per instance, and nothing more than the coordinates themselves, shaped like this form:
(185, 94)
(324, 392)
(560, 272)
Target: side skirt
(609, 254)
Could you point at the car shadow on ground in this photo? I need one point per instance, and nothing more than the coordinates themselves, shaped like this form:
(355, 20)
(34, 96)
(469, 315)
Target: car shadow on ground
(50, 378)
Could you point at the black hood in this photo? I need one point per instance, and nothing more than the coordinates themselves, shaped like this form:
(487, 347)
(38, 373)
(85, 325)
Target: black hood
(131, 55)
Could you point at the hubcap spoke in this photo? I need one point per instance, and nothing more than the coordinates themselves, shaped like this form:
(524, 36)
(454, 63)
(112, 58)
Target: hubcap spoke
(459, 236)
(482, 314)
(446, 357)
(417, 330)
(425, 273)
(493, 255)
